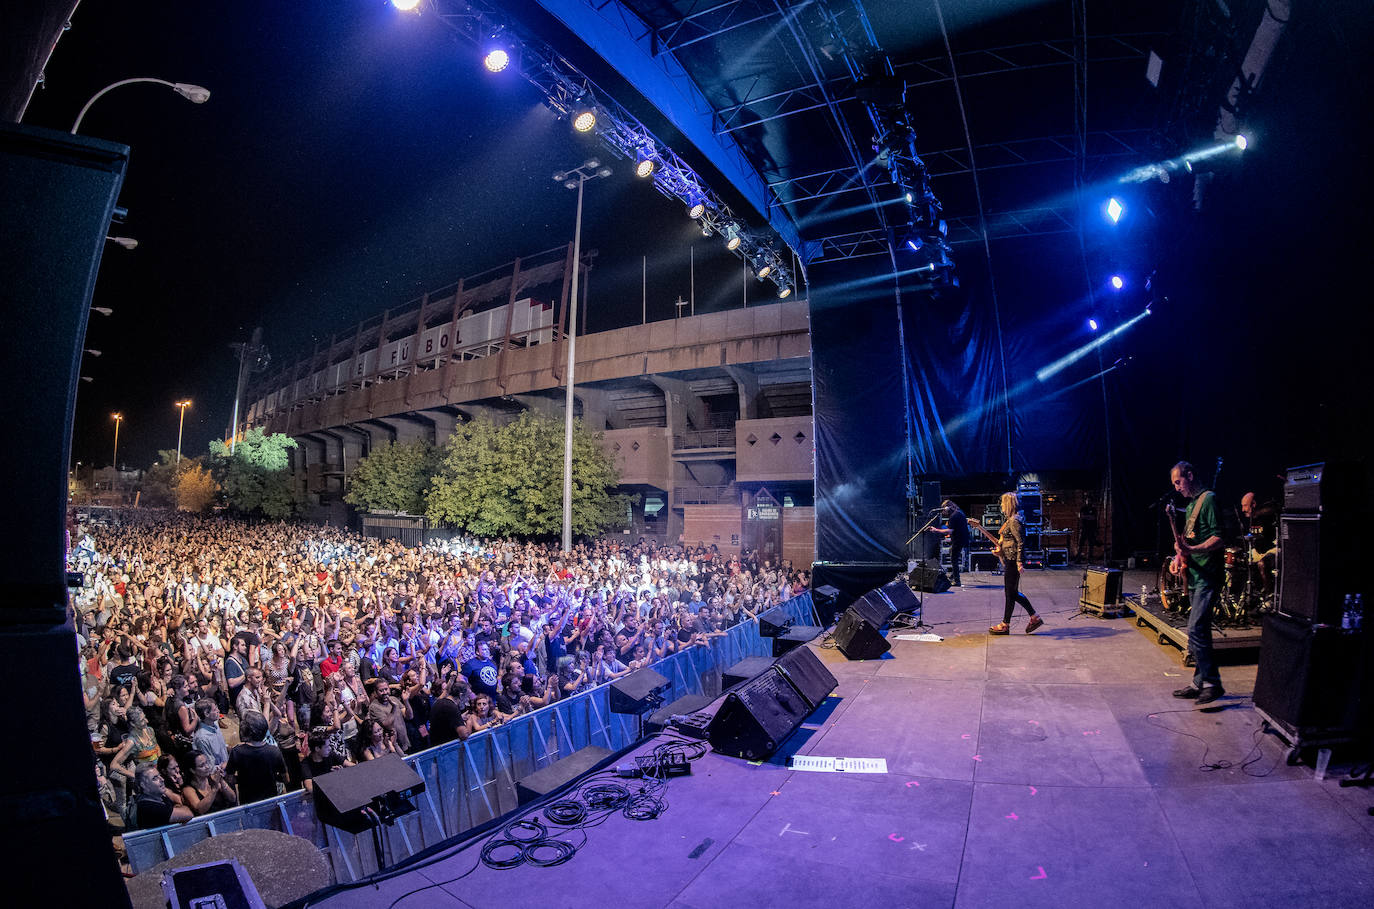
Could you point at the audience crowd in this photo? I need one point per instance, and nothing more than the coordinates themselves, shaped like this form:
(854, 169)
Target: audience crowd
(225, 662)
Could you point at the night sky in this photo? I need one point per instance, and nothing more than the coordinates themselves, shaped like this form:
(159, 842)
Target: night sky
(351, 157)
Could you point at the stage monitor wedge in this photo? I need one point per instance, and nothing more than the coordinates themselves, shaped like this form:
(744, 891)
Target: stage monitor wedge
(758, 716)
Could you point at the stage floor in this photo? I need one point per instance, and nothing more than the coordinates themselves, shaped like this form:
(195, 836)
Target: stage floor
(1051, 769)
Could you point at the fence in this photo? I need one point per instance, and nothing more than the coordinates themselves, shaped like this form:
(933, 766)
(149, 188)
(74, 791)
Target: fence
(468, 783)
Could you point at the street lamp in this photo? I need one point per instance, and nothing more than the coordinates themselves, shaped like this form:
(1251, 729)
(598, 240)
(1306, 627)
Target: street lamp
(574, 179)
(180, 423)
(118, 418)
(194, 93)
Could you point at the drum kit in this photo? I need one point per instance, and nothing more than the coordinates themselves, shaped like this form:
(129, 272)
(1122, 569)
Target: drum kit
(1247, 590)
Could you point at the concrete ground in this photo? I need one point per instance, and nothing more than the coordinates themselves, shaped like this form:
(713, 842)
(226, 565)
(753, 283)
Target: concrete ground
(1051, 769)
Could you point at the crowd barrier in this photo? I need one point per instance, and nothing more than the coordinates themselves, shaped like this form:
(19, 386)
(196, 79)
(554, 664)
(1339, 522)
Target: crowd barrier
(468, 783)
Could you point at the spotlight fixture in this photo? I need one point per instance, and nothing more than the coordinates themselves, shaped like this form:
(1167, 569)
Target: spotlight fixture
(764, 270)
(497, 59)
(645, 165)
(697, 208)
(1092, 323)
(706, 229)
(405, 6)
(1241, 142)
(584, 120)
(732, 237)
(1118, 282)
(1114, 210)
(784, 292)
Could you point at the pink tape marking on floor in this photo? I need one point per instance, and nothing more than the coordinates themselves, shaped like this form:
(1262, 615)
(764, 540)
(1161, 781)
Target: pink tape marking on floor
(895, 838)
(1041, 876)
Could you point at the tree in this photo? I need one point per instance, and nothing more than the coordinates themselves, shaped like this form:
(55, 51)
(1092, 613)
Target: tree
(256, 475)
(508, 481)
(393, 477)
(195, 487)
(158, 489)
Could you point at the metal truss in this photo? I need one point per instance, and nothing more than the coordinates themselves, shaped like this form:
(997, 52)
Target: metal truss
(935, 71)
(1027, 222)
(1102, 144)
(712, 22)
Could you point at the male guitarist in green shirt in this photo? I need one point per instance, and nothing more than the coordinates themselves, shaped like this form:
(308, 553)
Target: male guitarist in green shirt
(1198, 551)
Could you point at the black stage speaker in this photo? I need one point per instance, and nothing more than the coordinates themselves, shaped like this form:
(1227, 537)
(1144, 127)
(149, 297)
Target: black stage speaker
(385, 785)
(759, 715)
(1101, 586)
(900, 596)
(929, 578)
(1319, 562)
(745, 669)
(775, 621)
(559, 773)
(858, 635)
(796, 636)
(639, 692)
(1029, 503)
(826, 599)
(1309, 676)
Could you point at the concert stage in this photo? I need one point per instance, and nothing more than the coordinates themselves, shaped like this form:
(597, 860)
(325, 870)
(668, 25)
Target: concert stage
(1051, 769)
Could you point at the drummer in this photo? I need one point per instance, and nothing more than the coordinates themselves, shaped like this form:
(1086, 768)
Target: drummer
(1261, 540)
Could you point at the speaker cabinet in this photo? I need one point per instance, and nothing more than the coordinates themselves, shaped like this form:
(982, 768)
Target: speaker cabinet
(1101, 586)
(774, 622)
(745, 669)
(1309, 677)
(558, 774)
(384, 785)
(928, 578)
(900, 596)
(639, 692)
(758, 716)
(859, 633)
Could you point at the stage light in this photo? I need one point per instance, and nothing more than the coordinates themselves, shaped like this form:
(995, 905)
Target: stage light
(497, 59)
(764, 271)
(405, 6)
(644, 167)
(1241, 141)
(732, 236)
(1115, 210)
(1092, 323)
(697, 208)
(914, 243)
(584, 119)
(910, 198)
(784, 292)
(706, 229)
(1118, 282)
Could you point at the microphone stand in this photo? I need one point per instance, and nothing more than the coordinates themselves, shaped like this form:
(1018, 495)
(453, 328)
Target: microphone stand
(921, 591)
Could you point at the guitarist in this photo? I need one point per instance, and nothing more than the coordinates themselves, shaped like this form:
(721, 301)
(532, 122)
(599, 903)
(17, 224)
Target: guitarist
(1199, 551)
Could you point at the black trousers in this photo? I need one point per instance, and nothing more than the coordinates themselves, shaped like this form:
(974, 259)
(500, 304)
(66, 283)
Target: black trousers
(956, 558)
(1011, 587)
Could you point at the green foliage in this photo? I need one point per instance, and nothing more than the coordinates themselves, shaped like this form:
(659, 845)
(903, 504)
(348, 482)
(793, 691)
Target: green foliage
(158, 489)
(195, 487)
(508, 480)
(256, 476)
(393, 477)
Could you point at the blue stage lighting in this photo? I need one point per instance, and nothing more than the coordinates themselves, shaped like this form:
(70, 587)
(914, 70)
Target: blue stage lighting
(1241, 141)
(405, 6)
(1092, 323)
(914, 243)
(1115, 210)
(497, 59)
(1118, 282)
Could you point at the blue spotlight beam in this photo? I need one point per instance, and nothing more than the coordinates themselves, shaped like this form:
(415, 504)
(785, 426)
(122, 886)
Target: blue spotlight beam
(1074, 356)
(625, 42)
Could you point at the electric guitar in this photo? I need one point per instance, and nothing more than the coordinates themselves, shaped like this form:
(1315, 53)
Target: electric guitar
(1179, 563)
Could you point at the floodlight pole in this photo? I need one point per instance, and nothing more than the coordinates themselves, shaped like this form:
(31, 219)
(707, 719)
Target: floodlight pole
(587, 171)
(181, 422)
(194, 93)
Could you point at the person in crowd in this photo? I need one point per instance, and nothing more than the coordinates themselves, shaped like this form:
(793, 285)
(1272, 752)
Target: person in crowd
(483, 715)
(139, 749)
(321, 759)
(207, 790)
(389, 710)
(152, 807)
(376, 739)
(446, 720)
(208, 739)
(256, 769)
(1011, 542)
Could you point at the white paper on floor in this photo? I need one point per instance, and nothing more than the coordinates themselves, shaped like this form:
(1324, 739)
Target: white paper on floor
(917, 637)
(837, 765)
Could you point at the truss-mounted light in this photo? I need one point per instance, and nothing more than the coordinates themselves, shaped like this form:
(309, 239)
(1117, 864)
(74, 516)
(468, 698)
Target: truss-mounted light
(498, 51)
(732, 237)
(645, 161)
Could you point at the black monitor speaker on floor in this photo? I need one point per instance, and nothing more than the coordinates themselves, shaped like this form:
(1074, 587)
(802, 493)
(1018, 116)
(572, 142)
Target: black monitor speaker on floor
(929, 578)
(360, 797)
(760, 714)
(639, 692)
(859, 634)
(774, 622)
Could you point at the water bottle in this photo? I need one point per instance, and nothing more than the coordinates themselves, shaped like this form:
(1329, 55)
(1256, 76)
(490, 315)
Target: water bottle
(1144, 593)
